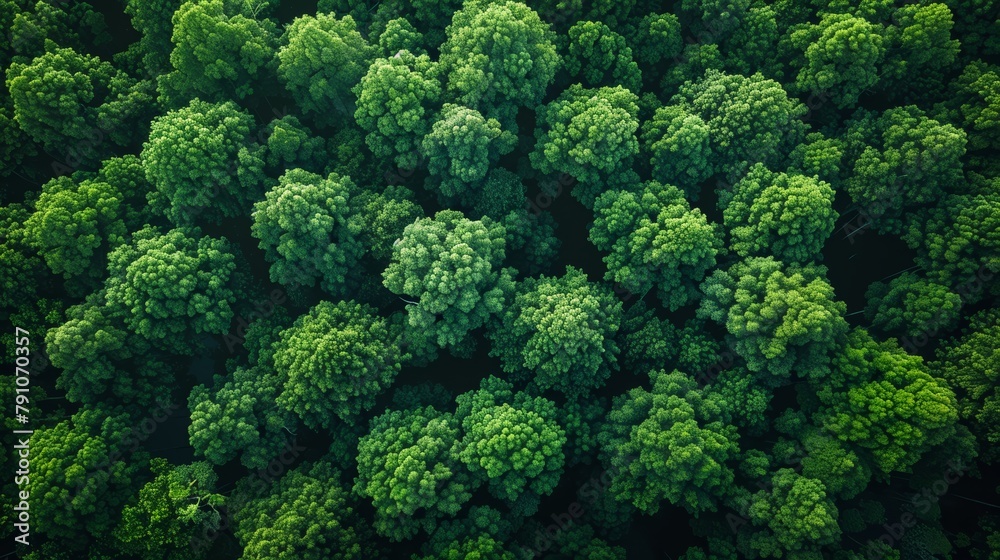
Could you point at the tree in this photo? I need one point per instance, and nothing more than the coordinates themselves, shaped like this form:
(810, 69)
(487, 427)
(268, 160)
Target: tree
(512, 440)
(305, 515)
(883, 400)
(174, 286)
(323, 60)
(408, 465)
(492, 75)
(171, 507)
(782, 318)
(678, 144)
(976, 104)
(667, 443)
(843, 54)
(102, 361)
(460, 148)
(912, 306)
(217, 55)
(969, 362)
(333, 362)
(787, 216)
(589, 134)
(153, 22)
(956, 242)
(400, 35)
(239, 417)
(31, 26)
(83, 471)
(559, 330)
(395, 99)
(657, 37)
(191, 158)
(309, 228)
(798, 515)
(910, 161)
(386, 215)
(451, 264)
(750, 119)
(57, 100)
(601, 57)
(655, 240)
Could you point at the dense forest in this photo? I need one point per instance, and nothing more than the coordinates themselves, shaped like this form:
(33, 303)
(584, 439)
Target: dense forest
(361, 279)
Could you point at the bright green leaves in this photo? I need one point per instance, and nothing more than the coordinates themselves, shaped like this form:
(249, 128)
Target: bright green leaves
(782, 318)
(309, 228)
(191, 159)
(678, 144)
(562, 330)
(173, 286)
(408, 465)
(843, 54)
(601, 57)
(178, 503)
(498, 56)
(460, 148)
(787, 216)
(797, 511)
(589, 134)
(667, 444)
(238, 418)
(305, 515)
(216, 55)
(513, 440)
(395, 99)
(323, 60)
(75, 225)
(451, 264)
(912, 306)
(334, 361)
(656, 240)
(890, 406)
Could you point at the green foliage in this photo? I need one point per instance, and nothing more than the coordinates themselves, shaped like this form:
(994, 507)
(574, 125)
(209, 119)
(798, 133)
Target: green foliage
(749, 119)
(190, 158)
(152, 19)
(782, 318)
(395, 99)
(787, 216)
(323, 60)
(83, 470)
(515, 443)
(310, 228)
(655, 240)
(657, 37)
(559, 331)
(601, 57)
(498, 56)
(408, 466)
(217, 55)
(57, 100)
(460, 148)
(912, 306)
(180, 501)
(588, 134)
(173, 286)
(238, 418)
(668, 443)
(451, 265)
(679, 146)
(843, 54)
(400, 35)
(971, 365)
(885, 401)
(333, 362)
(798, 514)
(911, 161)
(305, 515)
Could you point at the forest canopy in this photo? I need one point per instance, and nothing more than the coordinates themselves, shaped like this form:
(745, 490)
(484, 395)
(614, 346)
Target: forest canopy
(500, 279)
